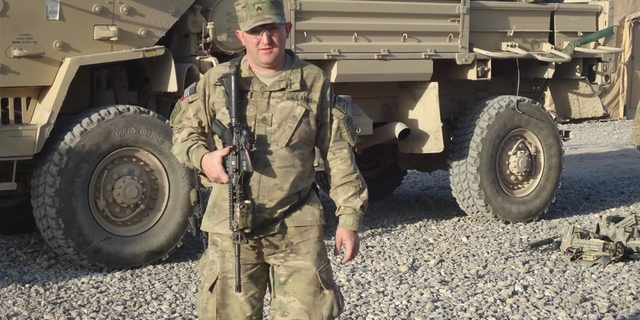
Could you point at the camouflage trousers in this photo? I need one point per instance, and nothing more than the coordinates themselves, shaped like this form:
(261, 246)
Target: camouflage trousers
(293, 264)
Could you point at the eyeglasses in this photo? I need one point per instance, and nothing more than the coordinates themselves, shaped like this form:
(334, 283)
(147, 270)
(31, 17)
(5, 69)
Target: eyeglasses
(271, 29)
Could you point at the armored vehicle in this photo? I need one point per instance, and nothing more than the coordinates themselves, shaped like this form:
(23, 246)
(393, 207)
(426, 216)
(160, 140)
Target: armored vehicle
(86, 88)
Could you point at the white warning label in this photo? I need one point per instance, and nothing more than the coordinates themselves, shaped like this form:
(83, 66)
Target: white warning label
(53, 10)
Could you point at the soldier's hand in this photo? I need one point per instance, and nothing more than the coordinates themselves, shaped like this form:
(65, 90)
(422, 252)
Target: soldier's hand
(351, 241)
(213, 167)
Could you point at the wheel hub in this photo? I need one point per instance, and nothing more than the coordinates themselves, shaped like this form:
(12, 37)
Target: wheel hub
(130, 191)
(520, 162)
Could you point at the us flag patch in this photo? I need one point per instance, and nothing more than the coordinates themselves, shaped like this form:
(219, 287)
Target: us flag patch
(189, 91)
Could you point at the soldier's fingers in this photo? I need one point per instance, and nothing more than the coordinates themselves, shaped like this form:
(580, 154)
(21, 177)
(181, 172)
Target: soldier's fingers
(220, 174)
(225, 151)
(349, 254)
(338, 247)
(223, 177)
(217, 175)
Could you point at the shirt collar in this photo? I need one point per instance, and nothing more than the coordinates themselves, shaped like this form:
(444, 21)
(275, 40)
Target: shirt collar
(289, 80)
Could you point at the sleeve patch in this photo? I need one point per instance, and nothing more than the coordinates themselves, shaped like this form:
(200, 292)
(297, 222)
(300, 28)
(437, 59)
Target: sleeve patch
(341, 104)
(345, 119)
(190, 90)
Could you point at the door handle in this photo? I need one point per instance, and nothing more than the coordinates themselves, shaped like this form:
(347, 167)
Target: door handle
(106, 32)
(17, 52)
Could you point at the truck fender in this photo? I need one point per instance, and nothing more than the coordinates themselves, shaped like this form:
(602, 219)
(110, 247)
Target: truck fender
(50, 100)
(187, 73)
(163, 73)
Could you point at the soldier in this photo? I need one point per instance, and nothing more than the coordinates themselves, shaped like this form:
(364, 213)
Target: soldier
(291, 110)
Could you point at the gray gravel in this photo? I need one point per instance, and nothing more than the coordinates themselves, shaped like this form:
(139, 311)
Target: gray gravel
(421, 257)
(599, 134)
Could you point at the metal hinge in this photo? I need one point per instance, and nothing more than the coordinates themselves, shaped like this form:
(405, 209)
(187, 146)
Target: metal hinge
(462, 9)
(333, 52)
(294, 5)
(382, 54)
(430, 52)
(465, 58)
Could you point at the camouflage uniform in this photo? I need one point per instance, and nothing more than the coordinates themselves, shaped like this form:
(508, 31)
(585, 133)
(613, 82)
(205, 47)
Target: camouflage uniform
(290, 118)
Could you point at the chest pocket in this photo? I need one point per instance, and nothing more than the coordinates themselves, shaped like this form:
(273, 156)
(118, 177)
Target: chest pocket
(290, 125)
(294, 125)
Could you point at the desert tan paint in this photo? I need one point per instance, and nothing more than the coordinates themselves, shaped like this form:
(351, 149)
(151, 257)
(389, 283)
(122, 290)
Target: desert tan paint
(41, 45)
(51, 98)
(396, 41)
(422, 101)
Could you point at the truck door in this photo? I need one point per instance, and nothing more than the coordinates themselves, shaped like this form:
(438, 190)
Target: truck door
(37, 35)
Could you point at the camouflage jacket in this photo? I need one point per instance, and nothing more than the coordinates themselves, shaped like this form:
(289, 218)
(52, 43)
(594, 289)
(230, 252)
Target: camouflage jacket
(289, 119)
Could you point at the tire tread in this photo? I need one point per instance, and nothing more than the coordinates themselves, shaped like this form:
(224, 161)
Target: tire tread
(464, 158)
(46, 179)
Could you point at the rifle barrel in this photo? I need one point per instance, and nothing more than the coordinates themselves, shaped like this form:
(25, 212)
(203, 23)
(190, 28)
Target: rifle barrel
(238, 271)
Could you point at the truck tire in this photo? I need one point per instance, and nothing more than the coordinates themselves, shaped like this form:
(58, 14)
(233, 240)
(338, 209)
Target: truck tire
(110, 193)
(379, 187)
(380, 170)
(506, 162)
(323, 182)
(385, 182)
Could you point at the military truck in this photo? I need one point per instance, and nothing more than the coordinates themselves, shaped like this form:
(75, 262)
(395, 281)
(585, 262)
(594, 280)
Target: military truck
(87, 87)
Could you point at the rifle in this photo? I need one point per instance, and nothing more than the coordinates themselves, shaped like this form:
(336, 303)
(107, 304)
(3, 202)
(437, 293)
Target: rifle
(237, 163)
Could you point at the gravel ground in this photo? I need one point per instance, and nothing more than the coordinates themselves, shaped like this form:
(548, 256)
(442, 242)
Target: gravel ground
(421, 257)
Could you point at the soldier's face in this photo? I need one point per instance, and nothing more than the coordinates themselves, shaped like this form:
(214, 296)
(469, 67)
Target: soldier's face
(265, 46)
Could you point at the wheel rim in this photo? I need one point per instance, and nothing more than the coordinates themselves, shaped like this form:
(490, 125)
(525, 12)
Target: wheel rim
(372, 169)
(128, 191)
(371, 163)
(520, 163)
